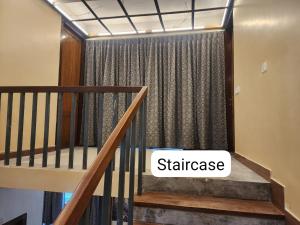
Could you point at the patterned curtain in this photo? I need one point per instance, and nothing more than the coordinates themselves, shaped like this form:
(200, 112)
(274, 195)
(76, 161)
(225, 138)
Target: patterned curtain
(53, 205)
(186, 79)
(53, 202)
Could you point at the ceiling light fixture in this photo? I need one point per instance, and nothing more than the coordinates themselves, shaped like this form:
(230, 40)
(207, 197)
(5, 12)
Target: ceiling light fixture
(157, 30)
(225, 13)
(125, 32)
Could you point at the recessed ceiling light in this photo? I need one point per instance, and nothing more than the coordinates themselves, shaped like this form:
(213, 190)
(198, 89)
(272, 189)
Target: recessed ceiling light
(125, 32)
(157, 30)
(63, 37)
(200, 27)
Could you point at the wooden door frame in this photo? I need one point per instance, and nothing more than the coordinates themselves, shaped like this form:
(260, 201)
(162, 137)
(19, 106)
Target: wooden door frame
(71, 30)
(229, 84)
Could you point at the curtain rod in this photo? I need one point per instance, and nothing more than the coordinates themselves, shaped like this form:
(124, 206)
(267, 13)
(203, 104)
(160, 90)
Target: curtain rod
(132, 36)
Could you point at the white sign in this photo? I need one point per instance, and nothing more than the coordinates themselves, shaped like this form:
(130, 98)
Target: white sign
(191, 163)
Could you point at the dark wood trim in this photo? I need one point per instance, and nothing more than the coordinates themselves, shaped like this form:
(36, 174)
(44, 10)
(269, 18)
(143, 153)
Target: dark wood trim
(277, 189)
(69, 89)
(26, 152)
(277, 194)
(260, 170)
(207, 204)
(290, 219)
(73, 211)
(70, 74)
(229, 85)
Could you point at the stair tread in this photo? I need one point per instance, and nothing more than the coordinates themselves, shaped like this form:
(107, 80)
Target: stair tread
(208, 204)
(143, 223)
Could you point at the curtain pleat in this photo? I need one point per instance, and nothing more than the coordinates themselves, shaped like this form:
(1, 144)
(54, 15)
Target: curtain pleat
(52, 206)
(186, 79)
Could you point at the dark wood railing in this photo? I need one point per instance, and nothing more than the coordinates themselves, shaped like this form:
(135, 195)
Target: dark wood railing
(124, 134)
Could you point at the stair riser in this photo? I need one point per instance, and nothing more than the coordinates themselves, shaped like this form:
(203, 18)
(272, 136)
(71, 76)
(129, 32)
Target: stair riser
(208, 187)
(178, 217)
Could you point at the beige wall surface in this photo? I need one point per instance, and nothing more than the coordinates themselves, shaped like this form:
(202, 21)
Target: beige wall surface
(267, 110)
(29, 55)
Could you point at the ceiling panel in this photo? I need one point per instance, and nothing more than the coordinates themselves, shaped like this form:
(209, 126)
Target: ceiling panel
(174, 5)
(204, 4)
(147, 24)
(177, 21)
(119, 26)
(106, 8)
(208, 19)
(74, 10)
(93, 28)
(139, 6)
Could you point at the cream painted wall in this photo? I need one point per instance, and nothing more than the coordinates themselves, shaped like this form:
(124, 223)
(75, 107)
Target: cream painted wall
(29, 55)
(15, 202)
(267, 110)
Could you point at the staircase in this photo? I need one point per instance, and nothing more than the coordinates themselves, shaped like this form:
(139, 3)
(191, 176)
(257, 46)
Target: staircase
(244, 198)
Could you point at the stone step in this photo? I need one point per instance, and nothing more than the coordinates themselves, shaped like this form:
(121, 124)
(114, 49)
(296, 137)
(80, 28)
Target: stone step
(176, 209)
(243, 183)
(143, 223)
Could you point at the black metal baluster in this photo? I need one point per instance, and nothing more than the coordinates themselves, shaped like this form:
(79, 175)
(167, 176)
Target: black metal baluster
(33, 129)
(8, 129)
(121, 180)
(85, 130)
(100, 121)
(141, 150)
(115, 116)
(131, 173)
(72, 130)
(106, 209)
(145, 135)
(46, 129)
(58, 130)
(127, 149)
(20, 129)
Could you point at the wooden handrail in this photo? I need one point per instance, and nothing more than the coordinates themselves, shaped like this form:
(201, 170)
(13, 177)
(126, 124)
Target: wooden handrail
(73, 211)
(69, 89)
